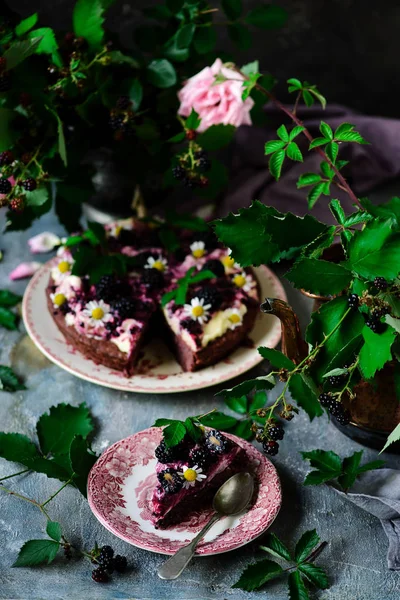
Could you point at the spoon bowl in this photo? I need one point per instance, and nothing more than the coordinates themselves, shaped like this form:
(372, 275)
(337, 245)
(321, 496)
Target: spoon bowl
(234, 495)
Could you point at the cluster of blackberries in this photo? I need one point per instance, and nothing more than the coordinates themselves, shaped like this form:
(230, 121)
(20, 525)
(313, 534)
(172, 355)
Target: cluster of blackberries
(125, 307)
(192, 177)
(108, 563)
(122, 118)
(335, 408)
(269, 437)
(153, 278)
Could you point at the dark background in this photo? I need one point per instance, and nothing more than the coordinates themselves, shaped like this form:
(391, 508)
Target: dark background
(348, 48)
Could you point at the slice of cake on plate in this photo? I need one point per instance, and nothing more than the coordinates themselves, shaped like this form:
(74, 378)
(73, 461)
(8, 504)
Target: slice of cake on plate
(189, 474)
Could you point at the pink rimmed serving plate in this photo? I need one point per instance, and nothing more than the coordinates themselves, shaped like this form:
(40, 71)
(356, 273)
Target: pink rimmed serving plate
(121, 483)
(157, 370)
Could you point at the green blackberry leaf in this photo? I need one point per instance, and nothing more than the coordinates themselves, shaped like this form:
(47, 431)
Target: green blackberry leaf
(315, 574)
(350, 467)
(238, 405)
(258, 574)
(161, 73)
(37, 552)
(8, 319)
(308, 179)
(277, 548)
(276, 162)
(303, 391)
(26, 24)
(293, 152)
(273, 146)
(82, 460)
(393, 437)
(174, 433)
(297, 589)
(320, 277)
(305, 545)
(19, 51)
(277, 359)
(53, 530)
(243, 429)
(9, 381)
(375, 251)
(88, 19)
(8, 298)
(376, 351)
(57, 429)
(219, 420)
(265, 382)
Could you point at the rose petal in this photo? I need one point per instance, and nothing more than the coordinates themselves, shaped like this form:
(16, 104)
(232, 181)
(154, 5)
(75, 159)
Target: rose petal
(43, 242)
(25, 269)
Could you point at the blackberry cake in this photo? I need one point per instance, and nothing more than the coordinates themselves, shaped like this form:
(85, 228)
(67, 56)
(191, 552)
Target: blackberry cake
(110, 320)
(190, 473)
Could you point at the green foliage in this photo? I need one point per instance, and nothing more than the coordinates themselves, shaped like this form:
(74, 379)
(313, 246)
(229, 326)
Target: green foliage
(277, 359)
(319, 276)
(20, 51)
(37, 552)
(308, 92)
(88, 19)
(267, 16)
(26, 24)
(328, 466)
(376, 350)
(300, 564)
(161, 73)
(393, 437)
(303, 390)
(179, 293)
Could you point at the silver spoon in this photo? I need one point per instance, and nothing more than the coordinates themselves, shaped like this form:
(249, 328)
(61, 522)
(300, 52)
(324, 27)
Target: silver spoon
(231, 499)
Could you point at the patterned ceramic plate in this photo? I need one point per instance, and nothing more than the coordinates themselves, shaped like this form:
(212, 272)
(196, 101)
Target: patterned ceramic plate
(121, 483)
(157, 371)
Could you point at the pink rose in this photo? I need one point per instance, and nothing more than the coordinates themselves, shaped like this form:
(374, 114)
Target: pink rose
(216, 104)
(43, 242)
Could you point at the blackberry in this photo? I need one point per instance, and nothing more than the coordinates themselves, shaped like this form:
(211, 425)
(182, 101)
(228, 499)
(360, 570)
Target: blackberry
(29, 184)
(353, 300)
(170, 480)
(200, 154)
(210, 295)
(105, 552)
(336, 380)
(189, 181)
(116, 123)
(198, 456)
(5, 82)
(178, 172)
(107, 563)
(163, 454)
(125, 307)
(271, 447)
(123, 103)
(120, 563)
(326, 400)
(341, 415)
(6, 158)
(5, 186)
(100, 576)
(216, 442)
(379, 312)
(106, 288)
(191, 326)
(375, 325)
(204, 164)
(380, 283)
(215, 266)
(153, 278)
(276, 432)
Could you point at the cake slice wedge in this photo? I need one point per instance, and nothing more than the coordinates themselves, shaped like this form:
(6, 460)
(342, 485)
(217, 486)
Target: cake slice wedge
(189, 474)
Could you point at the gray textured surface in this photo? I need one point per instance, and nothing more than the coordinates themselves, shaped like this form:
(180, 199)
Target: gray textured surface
(355, 558)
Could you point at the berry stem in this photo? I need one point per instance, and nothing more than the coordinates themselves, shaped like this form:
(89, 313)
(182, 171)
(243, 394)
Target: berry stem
(297, 121)
(14, 474)
(57, 492)
(315, 553)
(351, 369)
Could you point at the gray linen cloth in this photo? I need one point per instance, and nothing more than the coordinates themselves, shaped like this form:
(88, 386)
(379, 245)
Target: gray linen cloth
(378, 492)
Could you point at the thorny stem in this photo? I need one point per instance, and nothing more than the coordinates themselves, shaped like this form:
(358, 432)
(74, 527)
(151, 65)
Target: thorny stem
(315, 553)
(14, 474)
(308, 135)
(56, 493)
(296, 103)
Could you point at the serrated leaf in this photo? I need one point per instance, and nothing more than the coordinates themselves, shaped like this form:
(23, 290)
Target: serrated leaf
(337, 211)
(88, 19)
(318, 276)
(318, 477)
(232, 8)
(297, 589)
(282, 133)
(48, 43)
(243, 429)
(343, 128)
(276, 162)
(375, 251)
(350, 470)
(273, 146)
(38, 197)
(295, 83)
(174, 433)
(37, 552)
(53, 530)
(308, 98)
(161, 73)
(238, 405)
(315, 574)
(300, 387)
(276, 547)
(293, 152)
(376, 351)
(326, 130)
(295, 132)
(26, 24)
(267, 16)
(8, 298)
(258, 574)
(8, 319)
(308, 179)
(193, 120)
(82, 460)
(192, 429)
(218, 420)
(335, 372)
(265, 382)
(351, 136)
(276, 358)
(314, 194)
(321, 99)
(320, 141)
(305, 545)
(357, 218)
(19, 51)
(258, 401)
(393, 437)
(251, 68)
(162, 422)
(325, 461)
(326, 170)
(57, 429)
(371, 466)
(332, 150)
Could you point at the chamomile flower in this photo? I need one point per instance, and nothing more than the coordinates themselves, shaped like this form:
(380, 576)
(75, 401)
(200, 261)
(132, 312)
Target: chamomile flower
(228, 261)
(158, 263)
(97, 312)
(198, 249)
(235, 318)
(191, 474)
(244, 281)
(58, 299)
(197, 310)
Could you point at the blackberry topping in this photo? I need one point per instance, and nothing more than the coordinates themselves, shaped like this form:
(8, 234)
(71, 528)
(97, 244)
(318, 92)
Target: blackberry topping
(208, 237)
(216, 442)
(380, 283)
(125, 307)
(199, 456)
(215, 266)
(29, 184)
(276, 432)
(353, 300)
(120, 563)
(5, 186)
(191, 326)
(106, 288)
(170, 480)
(271, 447)
(210, 295)
(100, 576)
(163, 454)
(153, 278)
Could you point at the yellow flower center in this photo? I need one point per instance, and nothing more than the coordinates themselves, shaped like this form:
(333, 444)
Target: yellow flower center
(64, 266)
(198, 253)
(59, 299)
(168, 477)
(190, 475)
(239, 280)
(228, 261)
(197, 311)
(117, 231)
(234, 318)
(213, 440)
(97, 313)
(158, 265)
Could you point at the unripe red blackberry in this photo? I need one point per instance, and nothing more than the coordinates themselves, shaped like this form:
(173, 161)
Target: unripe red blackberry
(17, 205)
(6, 158)
(190, 134)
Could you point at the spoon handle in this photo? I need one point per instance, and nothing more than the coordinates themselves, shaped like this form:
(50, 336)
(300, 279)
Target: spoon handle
(174, 566)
